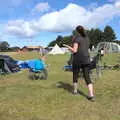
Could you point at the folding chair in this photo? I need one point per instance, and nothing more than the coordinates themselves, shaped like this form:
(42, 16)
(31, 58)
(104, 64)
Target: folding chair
(37, 70)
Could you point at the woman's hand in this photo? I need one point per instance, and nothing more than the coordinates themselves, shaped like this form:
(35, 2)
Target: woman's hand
(66, 45)
(73, 49)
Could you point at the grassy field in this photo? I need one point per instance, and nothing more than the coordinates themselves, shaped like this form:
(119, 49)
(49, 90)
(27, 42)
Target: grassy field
(24, 99)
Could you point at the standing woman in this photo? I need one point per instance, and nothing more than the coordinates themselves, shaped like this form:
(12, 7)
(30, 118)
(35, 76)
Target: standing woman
(81, 60)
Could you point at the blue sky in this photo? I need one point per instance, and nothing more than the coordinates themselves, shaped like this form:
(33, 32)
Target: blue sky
(38, 22)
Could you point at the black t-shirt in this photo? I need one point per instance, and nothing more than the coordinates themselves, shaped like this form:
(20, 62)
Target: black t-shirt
(82, 55)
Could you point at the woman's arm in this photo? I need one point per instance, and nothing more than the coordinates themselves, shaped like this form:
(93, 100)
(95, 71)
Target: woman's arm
(72, 49)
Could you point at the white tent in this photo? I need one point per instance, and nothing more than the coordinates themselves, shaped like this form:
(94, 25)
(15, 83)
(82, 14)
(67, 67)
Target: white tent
(56, 50)
(65, 49)
(109, 47)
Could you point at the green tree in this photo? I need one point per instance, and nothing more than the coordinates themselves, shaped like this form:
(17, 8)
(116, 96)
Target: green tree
(117, 41)
(4, 46)
(95, 36)
(67, 40)
(14, 49)
(59, 40)
(52, 43)
(109, 34)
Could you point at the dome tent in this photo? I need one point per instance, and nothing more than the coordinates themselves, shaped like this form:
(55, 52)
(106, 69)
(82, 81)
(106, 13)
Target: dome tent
(56, 50)
(8, 64)
(109, 47)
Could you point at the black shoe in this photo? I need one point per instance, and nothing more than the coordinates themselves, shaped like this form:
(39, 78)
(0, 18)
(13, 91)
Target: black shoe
(91, 98)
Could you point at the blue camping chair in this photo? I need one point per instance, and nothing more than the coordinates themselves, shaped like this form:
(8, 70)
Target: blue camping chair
(37, 69)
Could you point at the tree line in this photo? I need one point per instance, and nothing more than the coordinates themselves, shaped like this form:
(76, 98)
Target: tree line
(95, 35)
(5, 47)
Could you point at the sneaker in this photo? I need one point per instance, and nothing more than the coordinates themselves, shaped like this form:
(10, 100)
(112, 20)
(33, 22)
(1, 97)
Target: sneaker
(91, 98)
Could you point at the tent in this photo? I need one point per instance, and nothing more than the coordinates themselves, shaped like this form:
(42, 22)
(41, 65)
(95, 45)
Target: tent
(109, 47)
(56, 50)
(8, 65)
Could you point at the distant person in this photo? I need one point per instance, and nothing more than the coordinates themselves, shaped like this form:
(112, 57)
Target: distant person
(81, 60)
(93, 48)
(102, 52)
(41, 51)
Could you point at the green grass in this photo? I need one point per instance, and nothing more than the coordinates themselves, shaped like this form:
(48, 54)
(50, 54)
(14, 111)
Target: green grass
(112, 59)
(24, 99)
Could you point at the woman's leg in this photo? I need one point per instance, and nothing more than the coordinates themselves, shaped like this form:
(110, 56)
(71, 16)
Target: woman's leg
(76, 70)
(88, 80)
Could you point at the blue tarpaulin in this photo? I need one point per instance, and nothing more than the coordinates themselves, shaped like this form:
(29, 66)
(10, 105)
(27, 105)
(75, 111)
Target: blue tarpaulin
(37, 64)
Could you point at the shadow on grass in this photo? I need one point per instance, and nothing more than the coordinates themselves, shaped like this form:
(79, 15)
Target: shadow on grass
(69, 88)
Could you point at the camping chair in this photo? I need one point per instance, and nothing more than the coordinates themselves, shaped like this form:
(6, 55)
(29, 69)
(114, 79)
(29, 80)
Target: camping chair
(94, 66)
(37, 70)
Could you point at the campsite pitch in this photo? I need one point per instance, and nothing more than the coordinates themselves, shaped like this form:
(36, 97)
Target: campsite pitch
(52, 99)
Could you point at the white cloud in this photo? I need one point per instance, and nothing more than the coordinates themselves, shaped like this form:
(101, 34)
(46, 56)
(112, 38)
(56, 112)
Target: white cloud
(41, 7)
(61, 20)
(64, 20)
(117, 4)
(20, 28)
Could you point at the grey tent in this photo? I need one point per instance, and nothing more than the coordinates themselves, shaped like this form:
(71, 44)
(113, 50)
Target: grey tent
(109, 47)
(8, 65)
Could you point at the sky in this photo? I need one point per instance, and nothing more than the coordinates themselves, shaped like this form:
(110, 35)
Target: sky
(38, 22)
